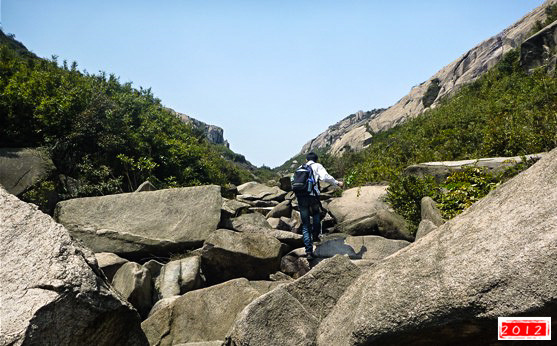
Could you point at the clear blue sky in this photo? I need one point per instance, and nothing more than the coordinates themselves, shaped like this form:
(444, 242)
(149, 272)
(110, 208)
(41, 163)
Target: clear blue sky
(273, 74)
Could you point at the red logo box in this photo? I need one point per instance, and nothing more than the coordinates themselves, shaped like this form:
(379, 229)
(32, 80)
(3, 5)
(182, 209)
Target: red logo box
(524, 328)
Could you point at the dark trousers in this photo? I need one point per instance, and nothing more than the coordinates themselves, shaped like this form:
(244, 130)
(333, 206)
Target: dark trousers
(310, 207)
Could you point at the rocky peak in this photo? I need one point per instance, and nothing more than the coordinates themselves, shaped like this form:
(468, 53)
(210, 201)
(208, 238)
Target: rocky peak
(213, 133)
(354, 132)
(336, 131)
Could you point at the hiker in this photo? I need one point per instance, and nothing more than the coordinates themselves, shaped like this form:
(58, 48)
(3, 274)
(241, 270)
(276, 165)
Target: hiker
(305, 184)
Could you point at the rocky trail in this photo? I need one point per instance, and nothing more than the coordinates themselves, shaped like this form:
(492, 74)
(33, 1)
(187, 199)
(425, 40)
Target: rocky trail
(208, 266)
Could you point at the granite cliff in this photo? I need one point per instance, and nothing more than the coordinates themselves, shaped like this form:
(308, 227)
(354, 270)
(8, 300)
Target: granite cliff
(355, 131)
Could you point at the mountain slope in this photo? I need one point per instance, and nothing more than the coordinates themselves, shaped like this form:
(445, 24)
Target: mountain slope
(445, 82)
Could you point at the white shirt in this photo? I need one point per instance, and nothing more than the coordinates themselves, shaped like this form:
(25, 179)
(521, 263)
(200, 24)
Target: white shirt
(320, 173)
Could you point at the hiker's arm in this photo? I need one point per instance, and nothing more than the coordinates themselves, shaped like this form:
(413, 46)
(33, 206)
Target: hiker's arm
(326, 177)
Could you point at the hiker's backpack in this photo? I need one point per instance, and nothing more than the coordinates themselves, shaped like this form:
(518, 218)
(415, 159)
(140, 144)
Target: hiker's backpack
(303, 181)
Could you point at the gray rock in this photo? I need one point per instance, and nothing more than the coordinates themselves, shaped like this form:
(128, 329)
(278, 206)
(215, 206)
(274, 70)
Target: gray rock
(263, 286)
(441, 170)
(139, 224)
(290, 314)
(179, 276)
(247, 222)
(495, 259)
(285, 183)
(229, 191)
(213, 133)
(280, 276)
(109, 263)
(201, 315)
(384, 223)
(256, 223)
(202, 343)
(290, 196)
(261, 210)
(363, 211)
(21, 168)
(257, 191)
(52, 290)
(233, 208)
(161, 304)
(289, 238)
(425, 227)
(429, 211)
(133, 282)
(540, 49)
(146, 186)
(257, 203)
(280, 223)
(338, 130)
(368, 247)
(228, 254)
(154, 267)
(295, 264)
(284, 208)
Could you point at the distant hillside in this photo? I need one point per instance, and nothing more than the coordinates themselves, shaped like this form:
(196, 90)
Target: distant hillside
(102, 135)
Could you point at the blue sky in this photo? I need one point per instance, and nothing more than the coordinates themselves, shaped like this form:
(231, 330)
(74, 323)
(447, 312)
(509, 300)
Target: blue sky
(273, 74)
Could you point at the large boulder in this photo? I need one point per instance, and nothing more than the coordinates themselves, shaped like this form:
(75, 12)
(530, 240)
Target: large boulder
(424, 228)
(363, 211)
(109, 263)
(51, 291)
(290, 314)
(133, 282)
(442, 169)
(147, 223)
(498, 258)
(295, 263)
(369, 247)
(257, 191)
(284, 208)
(429, 211)
(228, 254)
(232, 208)
(247, 222)
(256, 223)
(179, 276)
(21, 168)
(201, 315)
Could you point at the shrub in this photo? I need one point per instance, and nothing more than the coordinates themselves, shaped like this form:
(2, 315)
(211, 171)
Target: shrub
(462, 188)
(405, 193)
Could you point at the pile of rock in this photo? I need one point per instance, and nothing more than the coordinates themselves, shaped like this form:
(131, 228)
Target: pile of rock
(497, 258)
(170, 253)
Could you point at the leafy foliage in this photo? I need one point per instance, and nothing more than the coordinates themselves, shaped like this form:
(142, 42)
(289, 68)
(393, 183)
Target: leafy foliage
(550, 17)
(459, 190)
(506, 112)
(106, 135)
(405, 193)
(463, 188)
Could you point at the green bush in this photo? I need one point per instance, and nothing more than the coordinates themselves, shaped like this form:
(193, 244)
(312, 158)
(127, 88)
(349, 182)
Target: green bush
(459, 191)
(107, 136)
(506, 112)
(405, 193)
(463, 188)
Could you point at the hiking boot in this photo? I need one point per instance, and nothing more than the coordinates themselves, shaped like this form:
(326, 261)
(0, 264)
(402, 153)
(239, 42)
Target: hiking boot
(310, 256)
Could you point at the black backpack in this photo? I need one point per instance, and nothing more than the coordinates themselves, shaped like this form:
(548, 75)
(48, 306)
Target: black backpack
(303, 181)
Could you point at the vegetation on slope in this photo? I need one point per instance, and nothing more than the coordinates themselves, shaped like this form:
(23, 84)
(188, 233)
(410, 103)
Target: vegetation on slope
(103, 135)
(506, 112)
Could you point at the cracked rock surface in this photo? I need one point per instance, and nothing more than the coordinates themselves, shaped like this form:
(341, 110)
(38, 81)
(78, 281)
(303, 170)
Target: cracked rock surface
(51, 293)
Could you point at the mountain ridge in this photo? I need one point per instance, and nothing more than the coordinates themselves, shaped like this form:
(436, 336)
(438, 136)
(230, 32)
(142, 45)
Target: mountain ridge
(465, 69)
